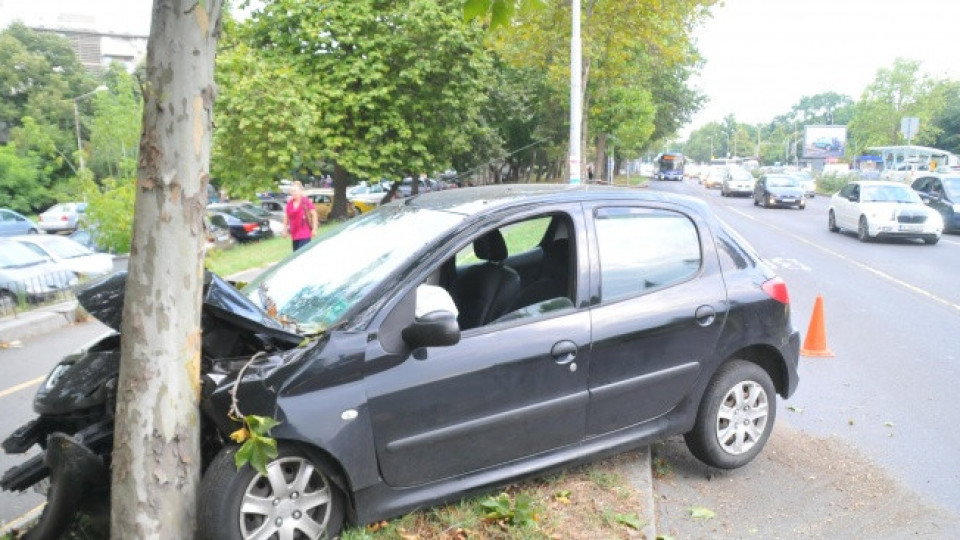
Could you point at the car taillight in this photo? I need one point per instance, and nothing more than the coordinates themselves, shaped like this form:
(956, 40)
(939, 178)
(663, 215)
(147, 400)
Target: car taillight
(776, 288)
(64, 218)
(250, 227)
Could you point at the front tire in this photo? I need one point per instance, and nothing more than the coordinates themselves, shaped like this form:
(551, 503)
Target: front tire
(296, 496)
(863, 230)
(735, 417)
(931, 240)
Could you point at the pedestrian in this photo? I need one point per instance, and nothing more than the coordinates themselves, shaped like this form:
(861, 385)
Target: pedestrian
(300, 217)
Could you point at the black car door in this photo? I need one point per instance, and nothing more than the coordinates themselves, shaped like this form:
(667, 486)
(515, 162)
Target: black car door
(662, 305)
(509, 389)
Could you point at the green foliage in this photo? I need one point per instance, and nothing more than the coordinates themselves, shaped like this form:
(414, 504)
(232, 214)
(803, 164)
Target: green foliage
(257, 447)
(20, 187)
(109, 209)
(246, 256)
(518, 511)
(367, 98)
(630, 520)
(832, 183)
(115, 127)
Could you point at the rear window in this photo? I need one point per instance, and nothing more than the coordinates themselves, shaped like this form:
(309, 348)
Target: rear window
(643, 249)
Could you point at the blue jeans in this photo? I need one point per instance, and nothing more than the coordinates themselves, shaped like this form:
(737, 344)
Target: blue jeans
(297, 244)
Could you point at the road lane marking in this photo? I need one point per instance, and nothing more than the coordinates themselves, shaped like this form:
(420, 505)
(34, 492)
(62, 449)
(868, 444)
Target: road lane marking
(23, 520)
(860, 265)
(22, 386)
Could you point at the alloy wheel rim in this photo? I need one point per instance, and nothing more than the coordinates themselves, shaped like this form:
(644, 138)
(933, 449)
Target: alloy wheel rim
(292, 501)
(742, 417)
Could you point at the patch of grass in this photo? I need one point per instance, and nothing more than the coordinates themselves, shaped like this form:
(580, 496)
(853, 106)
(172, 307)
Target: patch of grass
(246, 256)
(579, 504)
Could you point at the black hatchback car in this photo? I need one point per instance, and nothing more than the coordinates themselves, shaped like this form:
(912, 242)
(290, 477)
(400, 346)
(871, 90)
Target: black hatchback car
(501, 331)
(779, 190)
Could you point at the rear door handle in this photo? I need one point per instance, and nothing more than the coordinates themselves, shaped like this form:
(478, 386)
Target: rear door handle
(705, 315)
(564, 352)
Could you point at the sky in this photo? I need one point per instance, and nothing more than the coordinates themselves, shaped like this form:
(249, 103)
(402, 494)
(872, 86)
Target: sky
(762, 56)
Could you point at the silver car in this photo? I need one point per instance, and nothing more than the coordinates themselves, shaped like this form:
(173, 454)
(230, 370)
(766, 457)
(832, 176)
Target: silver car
(63, 217)
(26, 276)
(12, 224)
(74, 256)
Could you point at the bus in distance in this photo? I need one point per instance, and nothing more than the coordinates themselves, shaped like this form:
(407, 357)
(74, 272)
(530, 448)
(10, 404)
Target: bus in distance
(670, 166)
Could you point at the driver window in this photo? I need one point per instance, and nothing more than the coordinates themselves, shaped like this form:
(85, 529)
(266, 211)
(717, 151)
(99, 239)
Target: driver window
(518, 271)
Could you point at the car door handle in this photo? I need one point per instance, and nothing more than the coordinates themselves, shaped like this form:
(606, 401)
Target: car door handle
(564, 352)
(705, 315)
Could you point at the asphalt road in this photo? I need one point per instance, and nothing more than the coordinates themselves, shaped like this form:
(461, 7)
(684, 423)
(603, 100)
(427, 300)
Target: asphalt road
(892, 310)
(23, 369)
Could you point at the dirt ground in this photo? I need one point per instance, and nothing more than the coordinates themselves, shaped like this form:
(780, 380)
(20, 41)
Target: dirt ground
(800, 486)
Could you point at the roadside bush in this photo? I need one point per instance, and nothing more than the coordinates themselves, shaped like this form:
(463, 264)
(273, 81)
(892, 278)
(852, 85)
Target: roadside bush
(832, 183)
(110, 211)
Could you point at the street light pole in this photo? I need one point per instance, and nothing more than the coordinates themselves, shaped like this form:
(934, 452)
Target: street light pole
(576, 98)
(76, 119)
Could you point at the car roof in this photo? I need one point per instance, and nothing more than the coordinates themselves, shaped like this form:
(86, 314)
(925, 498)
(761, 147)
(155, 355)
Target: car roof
(477, 200)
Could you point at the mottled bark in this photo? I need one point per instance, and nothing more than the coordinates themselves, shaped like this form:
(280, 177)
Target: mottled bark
(156, 458)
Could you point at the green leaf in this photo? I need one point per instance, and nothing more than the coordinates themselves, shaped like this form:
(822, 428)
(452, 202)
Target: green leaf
(260, 425)
(501, 13)
(475, 8)
(699, 512)
(630, 520)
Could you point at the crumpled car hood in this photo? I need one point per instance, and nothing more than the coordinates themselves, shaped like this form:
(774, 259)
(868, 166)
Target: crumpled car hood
(103, 299)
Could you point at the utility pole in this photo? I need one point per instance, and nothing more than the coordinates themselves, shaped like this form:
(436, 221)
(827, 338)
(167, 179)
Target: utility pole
(576, 98)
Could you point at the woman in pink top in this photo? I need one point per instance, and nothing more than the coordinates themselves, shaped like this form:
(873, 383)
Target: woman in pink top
(300, 219)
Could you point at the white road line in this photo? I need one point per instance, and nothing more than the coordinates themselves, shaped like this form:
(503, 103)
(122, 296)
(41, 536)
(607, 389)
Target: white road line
(22, 386)
(22, 521)
(860, 265)
(954, 242)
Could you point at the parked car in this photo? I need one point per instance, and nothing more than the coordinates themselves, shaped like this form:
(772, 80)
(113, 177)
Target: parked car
(79, 259)
(502, 331)
(63, 217)
(323, 202)
(883, 209)
(737, 181)
(779, 190)
(217, 237)
(13, 223)
(365, 198)
(276, 223)
(25, 275)
(807, 182)
(244, 226)
(942, 193)
(87, 238)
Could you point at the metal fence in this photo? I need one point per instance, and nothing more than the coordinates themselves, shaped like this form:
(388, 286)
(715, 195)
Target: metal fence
(26, 294)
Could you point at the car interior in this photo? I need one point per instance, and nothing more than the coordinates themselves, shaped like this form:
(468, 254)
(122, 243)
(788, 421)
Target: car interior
(512, 272)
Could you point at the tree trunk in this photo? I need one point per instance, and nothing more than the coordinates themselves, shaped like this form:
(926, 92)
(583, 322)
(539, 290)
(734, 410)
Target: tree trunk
(340, 178)
(156, 456)
(601, 168)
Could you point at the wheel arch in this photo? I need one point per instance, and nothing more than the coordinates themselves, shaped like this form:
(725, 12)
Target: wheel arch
(330, 466)
(769, 359)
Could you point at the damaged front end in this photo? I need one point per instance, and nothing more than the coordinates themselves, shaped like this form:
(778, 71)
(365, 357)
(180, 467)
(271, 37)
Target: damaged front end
(76, 402)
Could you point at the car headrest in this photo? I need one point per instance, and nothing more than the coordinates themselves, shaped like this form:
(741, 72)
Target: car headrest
(490, 246)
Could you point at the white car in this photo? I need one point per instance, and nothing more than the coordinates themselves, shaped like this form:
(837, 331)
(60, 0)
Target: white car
(882, 209)
(737, 181)
(70, 254)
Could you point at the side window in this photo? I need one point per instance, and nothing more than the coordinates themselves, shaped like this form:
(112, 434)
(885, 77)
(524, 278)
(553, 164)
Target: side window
(219, 221)
(36, 250)
(6, 216)
(485, 281)
(643, 249)
(519, 237)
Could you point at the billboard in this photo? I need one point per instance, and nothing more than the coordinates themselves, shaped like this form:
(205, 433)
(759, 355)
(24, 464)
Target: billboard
(824, 141)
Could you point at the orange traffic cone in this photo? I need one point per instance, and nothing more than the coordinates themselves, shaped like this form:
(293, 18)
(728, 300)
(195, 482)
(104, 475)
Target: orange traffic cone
(815, 343)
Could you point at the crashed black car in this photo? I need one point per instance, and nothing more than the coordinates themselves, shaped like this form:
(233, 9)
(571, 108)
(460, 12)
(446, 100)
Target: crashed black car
(455, 341)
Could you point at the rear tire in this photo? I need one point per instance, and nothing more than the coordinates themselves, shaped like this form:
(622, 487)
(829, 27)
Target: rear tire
(735, 417)
(931, 240)
(832, 222)
(305, 500)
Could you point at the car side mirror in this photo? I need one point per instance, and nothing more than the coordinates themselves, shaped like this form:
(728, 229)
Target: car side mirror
(435, 319)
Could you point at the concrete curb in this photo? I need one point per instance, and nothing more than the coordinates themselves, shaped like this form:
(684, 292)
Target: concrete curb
(39, 321)
(645, 484)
